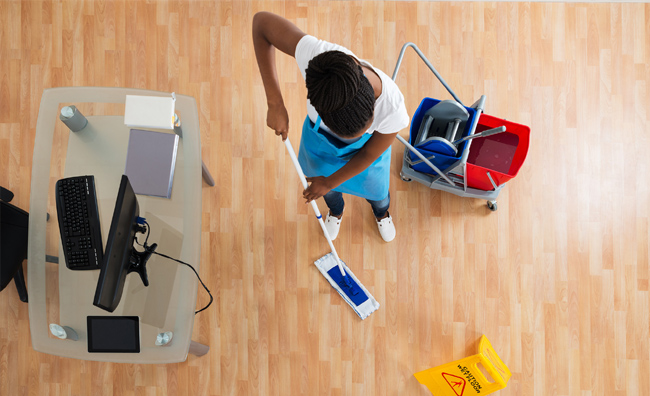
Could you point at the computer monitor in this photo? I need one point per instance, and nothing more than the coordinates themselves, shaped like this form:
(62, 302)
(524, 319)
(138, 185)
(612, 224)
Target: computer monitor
(120, 256)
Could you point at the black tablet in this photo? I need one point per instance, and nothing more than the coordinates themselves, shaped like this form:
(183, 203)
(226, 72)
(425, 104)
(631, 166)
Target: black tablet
(114, 334)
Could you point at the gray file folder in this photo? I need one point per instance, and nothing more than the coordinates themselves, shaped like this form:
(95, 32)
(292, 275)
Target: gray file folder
(150, 162)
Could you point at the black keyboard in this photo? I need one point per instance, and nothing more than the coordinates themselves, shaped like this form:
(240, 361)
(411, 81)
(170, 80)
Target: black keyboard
(76, 207)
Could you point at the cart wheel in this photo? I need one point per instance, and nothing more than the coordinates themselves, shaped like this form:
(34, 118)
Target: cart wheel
(492, 205)
(406, 179)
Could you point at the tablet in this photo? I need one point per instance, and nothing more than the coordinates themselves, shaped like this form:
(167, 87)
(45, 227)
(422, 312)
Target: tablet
(113, 334)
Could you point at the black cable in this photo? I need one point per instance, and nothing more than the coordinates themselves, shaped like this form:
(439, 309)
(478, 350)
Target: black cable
(178, 261)
(146, 239)
(197, 275)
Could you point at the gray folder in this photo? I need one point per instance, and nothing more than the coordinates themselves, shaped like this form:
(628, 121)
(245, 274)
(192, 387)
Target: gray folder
(150, 162)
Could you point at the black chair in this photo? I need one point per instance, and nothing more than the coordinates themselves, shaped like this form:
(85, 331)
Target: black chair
(13, 243)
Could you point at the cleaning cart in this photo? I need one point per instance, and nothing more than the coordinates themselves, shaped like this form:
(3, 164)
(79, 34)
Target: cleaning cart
(460, 149)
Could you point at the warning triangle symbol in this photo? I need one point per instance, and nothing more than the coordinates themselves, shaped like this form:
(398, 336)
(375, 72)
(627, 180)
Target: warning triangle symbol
(457, 383)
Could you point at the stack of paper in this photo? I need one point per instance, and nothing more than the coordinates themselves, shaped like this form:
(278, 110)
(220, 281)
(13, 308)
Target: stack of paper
(149, 111)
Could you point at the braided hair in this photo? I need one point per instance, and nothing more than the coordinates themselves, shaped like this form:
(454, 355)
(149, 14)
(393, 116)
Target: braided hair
(340, 93)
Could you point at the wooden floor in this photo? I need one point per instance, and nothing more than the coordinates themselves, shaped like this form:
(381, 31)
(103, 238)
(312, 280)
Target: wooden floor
(557, 278)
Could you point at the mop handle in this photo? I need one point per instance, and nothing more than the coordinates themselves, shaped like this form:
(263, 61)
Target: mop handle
(487, 133)
(296, 164)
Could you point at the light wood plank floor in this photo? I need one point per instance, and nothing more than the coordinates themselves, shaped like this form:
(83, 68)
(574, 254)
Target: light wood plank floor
(557, 278)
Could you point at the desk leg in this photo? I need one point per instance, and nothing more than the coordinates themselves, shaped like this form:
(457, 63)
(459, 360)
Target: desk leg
(198, 349)
(19, 280)
(206, 174)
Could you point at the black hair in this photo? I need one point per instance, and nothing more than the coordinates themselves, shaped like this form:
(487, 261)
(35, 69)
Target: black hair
(340, 92)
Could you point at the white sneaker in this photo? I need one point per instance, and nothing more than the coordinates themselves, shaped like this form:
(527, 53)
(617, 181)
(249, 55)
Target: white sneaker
(333, 225)
(386, 228)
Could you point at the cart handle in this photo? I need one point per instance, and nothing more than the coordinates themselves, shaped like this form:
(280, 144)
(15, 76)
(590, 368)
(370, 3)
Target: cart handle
(426, 61)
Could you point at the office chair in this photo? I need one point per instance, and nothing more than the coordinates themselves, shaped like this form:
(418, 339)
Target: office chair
(13, 243)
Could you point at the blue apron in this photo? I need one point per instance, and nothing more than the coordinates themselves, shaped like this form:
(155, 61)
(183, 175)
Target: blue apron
(321, 155)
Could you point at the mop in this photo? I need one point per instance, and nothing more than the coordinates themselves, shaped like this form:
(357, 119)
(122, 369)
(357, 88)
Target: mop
(332, 267)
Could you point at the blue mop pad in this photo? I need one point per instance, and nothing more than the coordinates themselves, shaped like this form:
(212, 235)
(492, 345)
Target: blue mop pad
(357, 296)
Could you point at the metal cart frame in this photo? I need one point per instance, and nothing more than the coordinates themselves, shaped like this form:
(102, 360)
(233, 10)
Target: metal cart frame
(452, 179)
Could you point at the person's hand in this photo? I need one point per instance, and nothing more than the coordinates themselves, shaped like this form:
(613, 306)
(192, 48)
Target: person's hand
(277, 119)
(319, 186)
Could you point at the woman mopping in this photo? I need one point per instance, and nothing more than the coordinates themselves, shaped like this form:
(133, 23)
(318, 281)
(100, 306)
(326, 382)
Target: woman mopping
(354, 112)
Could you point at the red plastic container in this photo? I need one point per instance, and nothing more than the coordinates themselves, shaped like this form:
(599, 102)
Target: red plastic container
(502, 155)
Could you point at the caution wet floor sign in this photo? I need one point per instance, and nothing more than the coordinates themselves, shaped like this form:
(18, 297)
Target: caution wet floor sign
(464, 377)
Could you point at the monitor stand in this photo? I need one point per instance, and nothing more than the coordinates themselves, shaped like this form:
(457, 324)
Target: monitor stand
(139, 261)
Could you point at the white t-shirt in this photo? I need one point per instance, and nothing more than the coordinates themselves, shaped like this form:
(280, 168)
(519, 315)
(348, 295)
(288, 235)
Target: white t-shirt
(390, 111)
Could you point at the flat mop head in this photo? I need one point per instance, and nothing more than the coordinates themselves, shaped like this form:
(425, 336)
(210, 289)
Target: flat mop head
(352, 291)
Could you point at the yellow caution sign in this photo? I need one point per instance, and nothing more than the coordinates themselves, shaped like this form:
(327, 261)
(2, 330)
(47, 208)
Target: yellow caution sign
(464, 377)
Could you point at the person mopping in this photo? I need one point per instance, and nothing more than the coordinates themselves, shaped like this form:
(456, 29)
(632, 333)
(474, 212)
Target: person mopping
(354, 112)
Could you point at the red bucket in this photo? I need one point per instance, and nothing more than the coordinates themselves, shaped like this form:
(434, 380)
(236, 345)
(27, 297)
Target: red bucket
(500, 155)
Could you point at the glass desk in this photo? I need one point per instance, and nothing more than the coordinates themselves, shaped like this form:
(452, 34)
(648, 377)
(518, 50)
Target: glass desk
(62, 296)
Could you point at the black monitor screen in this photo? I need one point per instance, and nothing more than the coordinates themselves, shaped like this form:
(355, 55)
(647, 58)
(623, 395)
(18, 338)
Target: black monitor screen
(119, 248)
(113, 334)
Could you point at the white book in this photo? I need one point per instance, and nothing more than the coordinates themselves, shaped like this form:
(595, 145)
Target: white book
(155, 112)
(150, 162)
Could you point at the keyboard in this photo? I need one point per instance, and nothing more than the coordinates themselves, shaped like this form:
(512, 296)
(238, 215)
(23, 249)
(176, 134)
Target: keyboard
(81, 238)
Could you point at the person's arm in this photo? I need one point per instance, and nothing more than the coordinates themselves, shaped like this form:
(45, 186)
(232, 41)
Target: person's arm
(271, 31)
(373, 149)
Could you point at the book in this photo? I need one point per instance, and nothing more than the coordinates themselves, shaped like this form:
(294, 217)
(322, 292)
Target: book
(150, 162)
